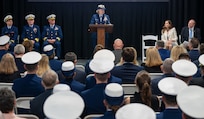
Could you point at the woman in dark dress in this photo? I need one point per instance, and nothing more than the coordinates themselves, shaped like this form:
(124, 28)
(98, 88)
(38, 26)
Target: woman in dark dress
(8, 69)
(144, 95)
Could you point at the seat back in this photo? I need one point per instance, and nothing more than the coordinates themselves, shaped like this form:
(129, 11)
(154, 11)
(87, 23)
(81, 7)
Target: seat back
(4, 85)
(155, 75)
(92, 116)
(80, 67)
(23, 102)
(130, 89)
(148, 41)
(27, 116)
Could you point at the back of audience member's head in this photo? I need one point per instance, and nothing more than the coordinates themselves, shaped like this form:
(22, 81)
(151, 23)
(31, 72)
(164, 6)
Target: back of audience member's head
(143, 82)
(19, 49)
(128, 54)
(167, 66)
(185, 56)
(49, 79)
(97, 48)
(7, 100)
(28, 45)
(176, 51)
(71, 56)
(7, 64)
(43, 65)
(118, 44)
(153, 57)
(201, 48)
(160, 44)
(194, 43)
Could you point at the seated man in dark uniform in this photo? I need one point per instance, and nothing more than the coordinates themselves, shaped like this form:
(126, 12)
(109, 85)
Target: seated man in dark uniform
(30, 85)
(31, 32)
(4, 45)
(94, 97)
(52, 34)
(11, 31)
(49, 80)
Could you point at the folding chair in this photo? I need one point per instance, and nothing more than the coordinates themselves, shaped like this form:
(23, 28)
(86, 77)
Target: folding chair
(155, 75)
(80, 67)
(4, 85)
(28, 116)
(130, 89)
(23, 102)
(147, 41)
(92, 116)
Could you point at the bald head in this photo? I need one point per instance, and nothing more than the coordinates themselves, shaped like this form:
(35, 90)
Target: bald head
(49, 79)
(118, 44)
(191, 23)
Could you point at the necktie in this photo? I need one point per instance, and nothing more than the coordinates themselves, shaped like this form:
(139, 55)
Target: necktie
(191, 33)
(100, 18)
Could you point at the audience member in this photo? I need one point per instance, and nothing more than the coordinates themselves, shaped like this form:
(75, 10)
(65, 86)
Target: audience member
(190, 31)
(176, 51)
(153, 61)
(190, 101)
(8, 70)
(170, 87)
(19, 51)
(184, 70)
(113, 100)
(128, 70)
(144, 96)
(30, 85)
(167, 72)
(49, 80)
(185, 56)
(118, 48)
(7, 104)
(199, 81)
(193, 47)
(164, 53)
(68, 72)
(28, 45)
(54, 63)
(102, 70)
(43, 65)
(4, 45)
(169, 34)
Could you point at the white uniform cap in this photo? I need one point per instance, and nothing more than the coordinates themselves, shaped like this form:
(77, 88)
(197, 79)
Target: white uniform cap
(101, 7)
(101, 65)
(8, 17)
(184, 68)
(63, 105)
(30, 16)
(48, 48)
(171, 85)
(67, 66)
(52, 16)
(135, 111)
(201, 59)
(191, 101)
(104, 54)
(4, 40)
(31, 57)
(61, 88)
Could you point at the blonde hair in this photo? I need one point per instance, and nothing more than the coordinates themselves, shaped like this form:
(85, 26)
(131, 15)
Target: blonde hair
(43, 65)
(8, 64)
(176, 51)
(153, 57)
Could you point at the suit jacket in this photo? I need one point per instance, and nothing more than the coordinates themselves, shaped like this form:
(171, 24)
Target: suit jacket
(91, 81)
(93, 99)
(31, 33)
(170, 114)
(117, 54)
(185, 34)
(55, 64)
(194, 54)
(197, 81)
(12, 33)
(153, 69)
(9, 78)
(107, 115)
(20, 65)
(96, 19)
(164, 53)
(126, 72)
(36, 105)
(28, 86)
(170, 35)
(52, 33)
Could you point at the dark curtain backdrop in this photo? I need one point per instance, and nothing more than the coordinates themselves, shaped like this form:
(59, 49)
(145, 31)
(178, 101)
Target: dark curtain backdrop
(130, 20)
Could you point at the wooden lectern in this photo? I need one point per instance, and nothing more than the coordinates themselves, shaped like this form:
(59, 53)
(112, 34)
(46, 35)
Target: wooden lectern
(101, 29)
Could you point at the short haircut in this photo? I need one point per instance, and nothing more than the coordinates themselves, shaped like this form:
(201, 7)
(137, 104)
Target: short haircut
(31, 67)
(184, 56)
(160, 43)
(170, 100)
(201, 49)
(70, 56)
(128, 54)
(97, 48)
(49, 78)
(194, 42)
(7, 100)
(19, 49)
(167, 65)
(102, 77)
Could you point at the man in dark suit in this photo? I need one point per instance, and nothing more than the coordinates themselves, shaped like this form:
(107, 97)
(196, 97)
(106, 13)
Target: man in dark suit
(49, 80)
(170, 87)
(99, 18)
(164, 53)
(193, 47)
(118, 48)
(52, 34)
(11, 31)
(190, 32)
(19, 51)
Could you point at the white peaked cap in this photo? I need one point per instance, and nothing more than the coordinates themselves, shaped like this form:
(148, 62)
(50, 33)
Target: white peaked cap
(31, 57)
